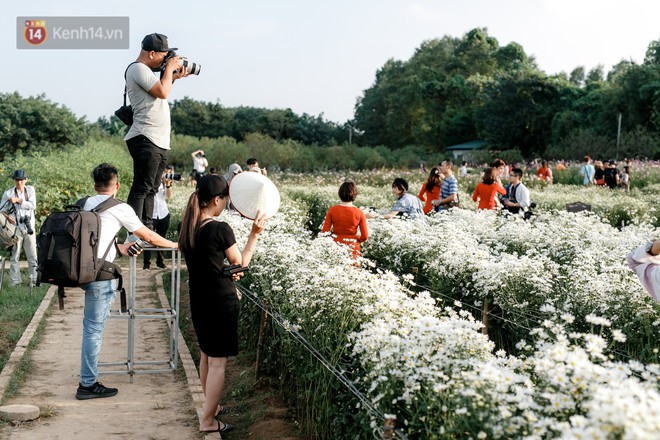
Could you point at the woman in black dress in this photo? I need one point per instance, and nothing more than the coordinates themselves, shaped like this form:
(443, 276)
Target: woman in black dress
(214, 304)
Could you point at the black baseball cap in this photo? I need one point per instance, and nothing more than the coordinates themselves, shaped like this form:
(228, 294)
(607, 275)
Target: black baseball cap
(210, 186)
(157, 43)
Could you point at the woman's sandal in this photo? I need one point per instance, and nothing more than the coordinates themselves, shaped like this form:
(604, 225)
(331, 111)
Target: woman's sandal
(222, 410)
(226, 427)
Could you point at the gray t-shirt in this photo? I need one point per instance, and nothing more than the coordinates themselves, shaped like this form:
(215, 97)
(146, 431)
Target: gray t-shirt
(151, 115)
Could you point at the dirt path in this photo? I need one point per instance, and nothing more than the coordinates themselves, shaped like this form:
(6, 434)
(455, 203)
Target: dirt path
(153, 406)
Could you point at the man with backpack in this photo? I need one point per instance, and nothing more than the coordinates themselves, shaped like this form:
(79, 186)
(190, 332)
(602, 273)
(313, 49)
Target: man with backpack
(18, 205)
(99, 295)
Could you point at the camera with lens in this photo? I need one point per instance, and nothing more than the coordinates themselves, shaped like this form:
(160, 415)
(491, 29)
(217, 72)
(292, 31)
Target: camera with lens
(193, 68)
(172, 176)
(28, 225)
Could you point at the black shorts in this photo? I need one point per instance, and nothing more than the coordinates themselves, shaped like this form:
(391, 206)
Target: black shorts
(196, 175)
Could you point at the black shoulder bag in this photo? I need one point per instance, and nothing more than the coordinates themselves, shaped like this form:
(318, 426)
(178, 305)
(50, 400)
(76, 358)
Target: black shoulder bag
(125, 112)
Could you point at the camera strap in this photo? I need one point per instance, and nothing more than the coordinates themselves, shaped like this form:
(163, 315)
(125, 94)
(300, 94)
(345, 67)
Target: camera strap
(126, 85)
(25, 197)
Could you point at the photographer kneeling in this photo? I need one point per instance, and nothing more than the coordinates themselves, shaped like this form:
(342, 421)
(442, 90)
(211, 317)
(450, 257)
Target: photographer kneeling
(516, 200)
(18, 205)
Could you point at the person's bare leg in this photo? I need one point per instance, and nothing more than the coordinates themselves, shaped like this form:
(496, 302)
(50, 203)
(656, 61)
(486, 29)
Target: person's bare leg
(203, 370)
(215, 382)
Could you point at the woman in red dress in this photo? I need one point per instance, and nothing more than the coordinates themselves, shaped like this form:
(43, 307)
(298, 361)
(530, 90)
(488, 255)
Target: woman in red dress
(487, 189)
(345, 219)
(430, 190)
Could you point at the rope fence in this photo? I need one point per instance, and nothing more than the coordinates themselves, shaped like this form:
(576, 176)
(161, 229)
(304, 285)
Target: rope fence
(384, 432)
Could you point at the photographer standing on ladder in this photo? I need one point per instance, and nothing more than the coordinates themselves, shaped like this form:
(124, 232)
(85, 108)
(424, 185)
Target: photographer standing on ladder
(148, 139)
(18, 205)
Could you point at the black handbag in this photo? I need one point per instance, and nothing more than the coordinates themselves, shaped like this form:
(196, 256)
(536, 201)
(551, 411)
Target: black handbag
(125, 112)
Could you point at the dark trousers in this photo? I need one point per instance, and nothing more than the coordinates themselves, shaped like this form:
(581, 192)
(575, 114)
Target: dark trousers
(148, 165)
(161, 225)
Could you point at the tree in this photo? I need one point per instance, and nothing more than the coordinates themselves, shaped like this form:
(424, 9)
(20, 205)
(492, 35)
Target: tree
(577, 76)
(35, 123)
(653, 53)
(518, 111)
(596, 74)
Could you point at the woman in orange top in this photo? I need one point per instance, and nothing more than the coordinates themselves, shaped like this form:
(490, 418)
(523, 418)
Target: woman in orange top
(345, 219)
(430, 190)
(544, 172)
(486, 190)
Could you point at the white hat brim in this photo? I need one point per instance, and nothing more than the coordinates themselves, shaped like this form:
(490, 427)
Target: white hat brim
(253, 193)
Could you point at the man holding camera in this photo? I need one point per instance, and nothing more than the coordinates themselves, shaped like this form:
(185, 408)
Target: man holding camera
(161, 215)
(148, 139)
(18, 205)
(199, 166)
(517, 199)
(253, 165)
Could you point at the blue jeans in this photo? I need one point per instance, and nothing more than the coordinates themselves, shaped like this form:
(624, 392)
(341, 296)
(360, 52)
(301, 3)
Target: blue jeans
(149, 162)
(99, 295)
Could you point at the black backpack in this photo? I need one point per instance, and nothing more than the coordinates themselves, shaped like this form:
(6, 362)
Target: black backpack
(67, 248)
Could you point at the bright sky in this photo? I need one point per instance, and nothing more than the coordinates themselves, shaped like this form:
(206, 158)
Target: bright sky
(311, 56)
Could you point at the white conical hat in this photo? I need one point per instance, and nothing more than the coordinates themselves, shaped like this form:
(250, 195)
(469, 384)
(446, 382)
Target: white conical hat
(253, 192)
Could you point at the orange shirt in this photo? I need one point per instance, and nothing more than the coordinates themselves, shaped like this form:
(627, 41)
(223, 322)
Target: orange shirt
(544, 173)
(344, 222)
(486, 194)
(426, 197)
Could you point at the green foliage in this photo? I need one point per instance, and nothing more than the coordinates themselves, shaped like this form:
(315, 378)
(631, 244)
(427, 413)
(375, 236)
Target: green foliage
(36, 124)
(518, 111)
(457, 90)
(289, 155)
(63, 176)
(205, 119)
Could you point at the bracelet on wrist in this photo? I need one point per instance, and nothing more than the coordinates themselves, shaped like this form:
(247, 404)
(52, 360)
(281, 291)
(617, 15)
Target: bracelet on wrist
(168, 186)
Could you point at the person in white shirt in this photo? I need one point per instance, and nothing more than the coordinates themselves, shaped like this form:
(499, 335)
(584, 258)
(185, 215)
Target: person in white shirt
(161, 216)
(199, 166)
(462, 171)
(18, 205)
(99, 295)
(517, 199)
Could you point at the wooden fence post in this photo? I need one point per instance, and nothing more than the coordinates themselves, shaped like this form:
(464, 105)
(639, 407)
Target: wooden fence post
(484, 316)
(262, 335)
(388, 430)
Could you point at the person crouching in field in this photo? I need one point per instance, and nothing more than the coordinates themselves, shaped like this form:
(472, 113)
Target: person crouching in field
(486, 190)
(214, 304)
(345, 219)
(430, 190)
(407, 204)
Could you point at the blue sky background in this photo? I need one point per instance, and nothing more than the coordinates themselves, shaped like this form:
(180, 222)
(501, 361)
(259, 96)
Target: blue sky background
(311, 56)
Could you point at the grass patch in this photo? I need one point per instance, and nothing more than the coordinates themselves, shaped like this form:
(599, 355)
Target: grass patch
(17, 307)
(25, 366)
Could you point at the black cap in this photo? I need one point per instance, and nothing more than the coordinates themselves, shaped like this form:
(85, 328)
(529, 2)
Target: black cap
(157, 43)
(210, 186)
(19, 175)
